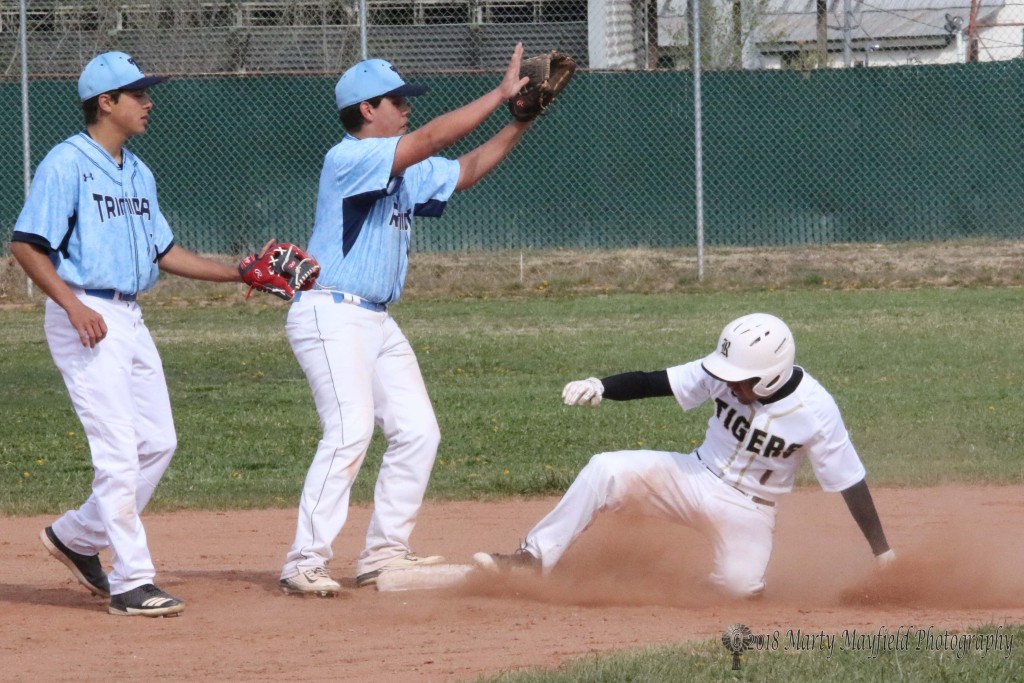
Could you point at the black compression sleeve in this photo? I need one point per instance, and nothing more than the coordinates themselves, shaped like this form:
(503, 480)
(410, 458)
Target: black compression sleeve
(631, 385)
(862, 507)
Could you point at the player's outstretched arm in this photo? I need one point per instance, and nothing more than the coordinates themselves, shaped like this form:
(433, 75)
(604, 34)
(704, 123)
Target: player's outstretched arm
(862, 508)
(447, 129)
(184, 263)
(623, 387)
(474, 165)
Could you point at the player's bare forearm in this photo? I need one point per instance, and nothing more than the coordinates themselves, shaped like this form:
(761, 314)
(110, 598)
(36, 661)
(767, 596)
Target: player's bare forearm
(443, 132)
(862, 508)
(36, 263)
(474, 165)
(184, 263)
(447, 129)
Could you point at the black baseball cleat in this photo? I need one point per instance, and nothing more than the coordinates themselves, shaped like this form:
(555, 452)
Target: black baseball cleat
(496, 562)
(146, 601)
(86, 568)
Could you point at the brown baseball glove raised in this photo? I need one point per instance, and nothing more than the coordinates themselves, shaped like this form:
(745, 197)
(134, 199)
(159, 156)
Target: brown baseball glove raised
(549, 74)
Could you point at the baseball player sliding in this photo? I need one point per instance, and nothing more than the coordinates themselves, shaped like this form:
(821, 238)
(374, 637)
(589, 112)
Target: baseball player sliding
(767, 417)
(92, 237)
(374, 186)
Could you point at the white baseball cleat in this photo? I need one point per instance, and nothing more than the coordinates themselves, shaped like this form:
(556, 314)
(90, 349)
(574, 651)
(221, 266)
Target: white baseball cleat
(485, 561)
(311, 582)
(495, 563)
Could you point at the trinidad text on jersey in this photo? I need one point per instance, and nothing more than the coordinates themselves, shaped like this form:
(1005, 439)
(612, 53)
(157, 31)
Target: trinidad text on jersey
(114, 207)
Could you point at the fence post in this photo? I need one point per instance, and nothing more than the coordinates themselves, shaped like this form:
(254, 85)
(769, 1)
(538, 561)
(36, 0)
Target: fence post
(26, 142)
(364, 19)
(698, 152)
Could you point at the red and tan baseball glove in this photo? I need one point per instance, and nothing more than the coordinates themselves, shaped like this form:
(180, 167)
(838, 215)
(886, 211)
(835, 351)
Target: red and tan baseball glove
(281, 270)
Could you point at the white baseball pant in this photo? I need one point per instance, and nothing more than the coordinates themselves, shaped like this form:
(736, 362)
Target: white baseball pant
(120, 394)
(670, 486)
(362, 372)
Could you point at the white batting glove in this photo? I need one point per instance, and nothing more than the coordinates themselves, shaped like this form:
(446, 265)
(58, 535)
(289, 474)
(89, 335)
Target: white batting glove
(886, 558)
(583, 392)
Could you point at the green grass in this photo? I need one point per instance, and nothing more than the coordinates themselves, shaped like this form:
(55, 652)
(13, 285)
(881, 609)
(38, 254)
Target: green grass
(925, 378)
(913, 659)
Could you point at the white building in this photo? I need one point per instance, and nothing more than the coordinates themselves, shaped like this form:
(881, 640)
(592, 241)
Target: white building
(886, 33)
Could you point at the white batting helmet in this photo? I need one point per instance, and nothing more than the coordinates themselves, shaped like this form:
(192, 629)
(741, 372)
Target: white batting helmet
(758, 346)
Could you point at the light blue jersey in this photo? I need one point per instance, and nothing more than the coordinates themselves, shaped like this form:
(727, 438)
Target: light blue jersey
(364, 217)
(100, 222)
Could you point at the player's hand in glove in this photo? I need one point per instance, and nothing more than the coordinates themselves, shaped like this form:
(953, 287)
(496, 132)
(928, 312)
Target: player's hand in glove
(886, 559)
(300, 268)
(280, 269)
(549, 73)
(583, 392)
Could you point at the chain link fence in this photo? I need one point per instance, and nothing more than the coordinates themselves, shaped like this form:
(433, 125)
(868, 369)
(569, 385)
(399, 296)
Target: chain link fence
(923, 145)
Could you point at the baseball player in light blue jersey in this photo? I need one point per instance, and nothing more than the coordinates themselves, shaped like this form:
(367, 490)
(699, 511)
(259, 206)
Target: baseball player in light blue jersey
(768, 416)
(374, 186)
(92, 237)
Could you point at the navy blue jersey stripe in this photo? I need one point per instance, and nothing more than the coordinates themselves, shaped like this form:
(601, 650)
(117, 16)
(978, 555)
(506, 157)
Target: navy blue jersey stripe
(72, 222)
(355, 210)
(430, 209)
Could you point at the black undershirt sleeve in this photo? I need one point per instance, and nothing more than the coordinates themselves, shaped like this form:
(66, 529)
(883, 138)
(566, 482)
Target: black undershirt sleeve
(631, 385)
(862, 507)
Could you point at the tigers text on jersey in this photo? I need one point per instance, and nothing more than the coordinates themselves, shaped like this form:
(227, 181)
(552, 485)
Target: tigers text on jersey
(364, 217)
(100, 221)
(758, 448)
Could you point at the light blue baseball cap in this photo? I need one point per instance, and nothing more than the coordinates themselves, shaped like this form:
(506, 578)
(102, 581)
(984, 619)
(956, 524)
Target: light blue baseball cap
(113, 71)
(372, 78)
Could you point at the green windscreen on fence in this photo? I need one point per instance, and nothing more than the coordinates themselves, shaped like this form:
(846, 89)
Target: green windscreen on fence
(856, 155)
(790, 157)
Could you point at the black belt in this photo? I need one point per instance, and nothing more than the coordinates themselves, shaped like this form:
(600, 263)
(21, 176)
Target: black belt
(757, 499)
(111, 294)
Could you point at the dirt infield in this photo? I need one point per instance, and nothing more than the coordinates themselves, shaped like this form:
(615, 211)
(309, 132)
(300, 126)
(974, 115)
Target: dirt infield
(960, 559)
